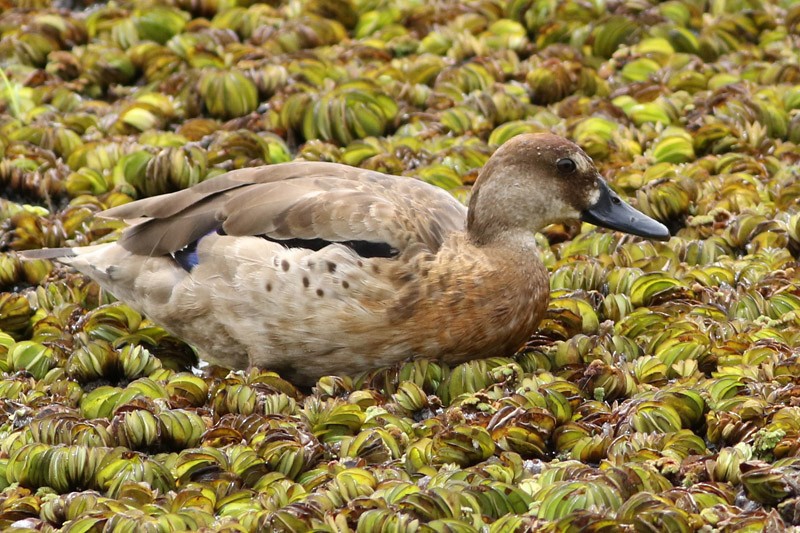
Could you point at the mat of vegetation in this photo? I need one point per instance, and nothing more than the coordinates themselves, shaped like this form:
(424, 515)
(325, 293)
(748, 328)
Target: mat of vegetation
(662, 392)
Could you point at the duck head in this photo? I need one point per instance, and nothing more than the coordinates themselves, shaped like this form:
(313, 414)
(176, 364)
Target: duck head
(538, 179)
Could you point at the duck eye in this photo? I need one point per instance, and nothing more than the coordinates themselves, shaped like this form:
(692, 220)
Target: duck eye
(566, 165)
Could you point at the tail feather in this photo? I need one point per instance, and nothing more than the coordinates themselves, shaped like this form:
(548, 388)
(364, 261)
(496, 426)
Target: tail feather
(48, 253)
(61, 254)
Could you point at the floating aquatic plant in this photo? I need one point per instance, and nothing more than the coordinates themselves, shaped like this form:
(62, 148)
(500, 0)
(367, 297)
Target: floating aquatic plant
(660, 391)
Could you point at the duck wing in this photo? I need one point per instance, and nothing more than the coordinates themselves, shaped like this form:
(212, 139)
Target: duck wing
(312, 201)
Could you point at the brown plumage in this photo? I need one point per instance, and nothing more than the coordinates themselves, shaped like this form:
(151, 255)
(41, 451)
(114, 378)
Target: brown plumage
(319, 268)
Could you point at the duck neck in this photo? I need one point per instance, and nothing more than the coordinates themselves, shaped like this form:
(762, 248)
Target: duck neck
(499, 214)
(518, 240)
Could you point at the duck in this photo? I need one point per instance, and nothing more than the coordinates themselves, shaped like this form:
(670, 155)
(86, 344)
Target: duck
(311, 269)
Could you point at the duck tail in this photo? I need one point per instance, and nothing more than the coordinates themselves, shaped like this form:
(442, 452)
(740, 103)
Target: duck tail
(47, 253)
(59, 254)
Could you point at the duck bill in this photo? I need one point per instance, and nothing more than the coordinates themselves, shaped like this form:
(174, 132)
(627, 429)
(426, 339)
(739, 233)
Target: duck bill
(613, 213)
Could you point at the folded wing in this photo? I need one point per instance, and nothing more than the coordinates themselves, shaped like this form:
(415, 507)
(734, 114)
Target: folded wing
(289, 201)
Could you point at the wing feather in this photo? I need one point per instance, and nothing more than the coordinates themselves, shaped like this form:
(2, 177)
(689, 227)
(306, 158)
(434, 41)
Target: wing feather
(303, 200)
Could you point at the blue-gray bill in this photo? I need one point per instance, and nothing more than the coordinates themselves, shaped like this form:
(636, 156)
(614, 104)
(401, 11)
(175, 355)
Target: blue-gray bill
(610, 211)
